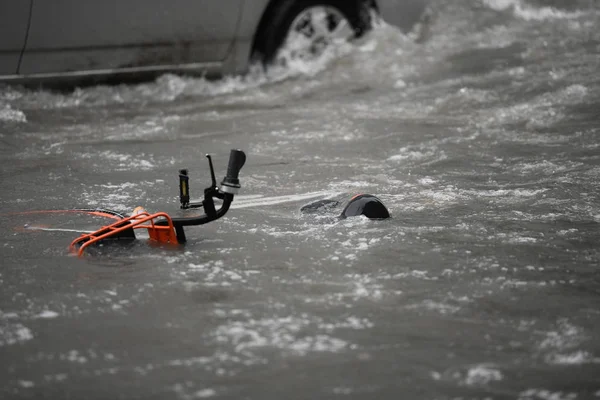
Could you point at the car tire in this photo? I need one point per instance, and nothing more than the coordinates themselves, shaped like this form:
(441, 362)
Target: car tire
(288, 16)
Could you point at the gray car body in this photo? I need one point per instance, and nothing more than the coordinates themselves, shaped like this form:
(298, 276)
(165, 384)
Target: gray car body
(44, 40)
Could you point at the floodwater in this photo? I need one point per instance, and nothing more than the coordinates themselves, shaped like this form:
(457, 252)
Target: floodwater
(480, 133)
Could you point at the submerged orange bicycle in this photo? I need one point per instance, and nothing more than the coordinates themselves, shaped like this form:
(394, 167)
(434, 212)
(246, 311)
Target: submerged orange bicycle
(163, 228)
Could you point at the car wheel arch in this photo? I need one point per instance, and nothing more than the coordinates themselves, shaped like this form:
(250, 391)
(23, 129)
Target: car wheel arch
(269, 11)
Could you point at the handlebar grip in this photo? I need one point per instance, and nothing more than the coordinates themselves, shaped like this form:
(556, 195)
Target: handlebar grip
(237, 159)
(231, 183)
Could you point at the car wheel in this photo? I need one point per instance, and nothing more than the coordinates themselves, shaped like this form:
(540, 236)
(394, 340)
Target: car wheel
(304, 29)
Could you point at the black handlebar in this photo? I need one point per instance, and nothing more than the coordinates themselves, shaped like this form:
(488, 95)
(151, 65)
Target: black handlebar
(231, 183)
(229, 187)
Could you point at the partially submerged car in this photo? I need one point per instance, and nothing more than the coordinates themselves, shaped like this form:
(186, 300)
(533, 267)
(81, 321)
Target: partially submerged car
(90, 39)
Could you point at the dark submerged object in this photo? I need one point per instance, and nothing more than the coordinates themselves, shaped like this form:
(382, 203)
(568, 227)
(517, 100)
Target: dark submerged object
(367, 205)
(362, 204)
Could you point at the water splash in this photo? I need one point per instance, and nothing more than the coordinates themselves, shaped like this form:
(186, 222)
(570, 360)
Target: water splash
(8, 114)
(531, 13)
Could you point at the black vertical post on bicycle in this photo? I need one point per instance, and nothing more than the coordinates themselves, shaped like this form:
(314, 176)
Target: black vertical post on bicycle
(184, 188)
(210, 192)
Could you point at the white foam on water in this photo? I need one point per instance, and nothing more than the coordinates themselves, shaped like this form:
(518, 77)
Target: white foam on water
(344, 186)
(137, 130)
(114, 201)
(127, 162)
(48, 314)
(530, 13)
(565, 337)
(540, 112)
(283, 333)
(512, 238)
(216, 273)
(463, 99)
(26, 384)
(123, 186)
(188, 391)
(436, 306)
(414, 274)
(74, 356)
(411, 155)
(545, 394)
(427, 181)
(482, 374)
(544, 166)
(576, 358)
(359, 243)
(13, 333)
(476, 375)
(8, 114)
(122, 197)
(348, 323)
(366, 290)
(562, 346)
(509, 194)
(205, 393)
(358, 286)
